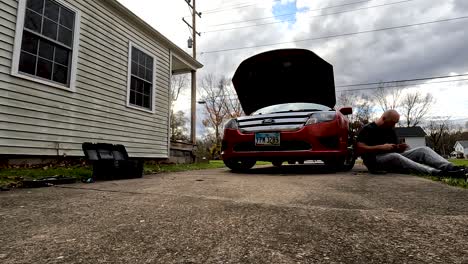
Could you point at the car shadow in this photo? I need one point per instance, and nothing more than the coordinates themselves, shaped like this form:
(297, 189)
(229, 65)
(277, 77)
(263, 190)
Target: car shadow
(285, 170)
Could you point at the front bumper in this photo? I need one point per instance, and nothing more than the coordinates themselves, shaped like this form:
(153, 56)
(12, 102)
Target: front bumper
(323, 141)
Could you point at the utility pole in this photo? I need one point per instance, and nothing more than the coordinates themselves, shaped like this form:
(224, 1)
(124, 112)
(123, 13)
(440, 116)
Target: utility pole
(193, 125)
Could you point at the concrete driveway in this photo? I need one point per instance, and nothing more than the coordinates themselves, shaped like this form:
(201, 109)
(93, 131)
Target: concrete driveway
(295, 214)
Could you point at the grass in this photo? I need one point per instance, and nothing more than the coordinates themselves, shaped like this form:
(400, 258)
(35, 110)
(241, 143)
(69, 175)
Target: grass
(462, 183)
(13, 177)
(459, 162)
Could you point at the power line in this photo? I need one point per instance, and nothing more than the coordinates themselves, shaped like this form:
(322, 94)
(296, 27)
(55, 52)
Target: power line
(338, 35)
(230, 96)
(211, 11)
(409, 85)
(407, 80)
(322, 15)
(244, 5)
(290, 14)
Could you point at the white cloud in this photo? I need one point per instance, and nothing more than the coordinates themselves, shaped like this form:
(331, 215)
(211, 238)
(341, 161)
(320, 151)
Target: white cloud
(428, 50)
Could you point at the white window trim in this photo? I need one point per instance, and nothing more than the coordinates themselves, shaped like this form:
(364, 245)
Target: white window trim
(17, 48)
(129, 78)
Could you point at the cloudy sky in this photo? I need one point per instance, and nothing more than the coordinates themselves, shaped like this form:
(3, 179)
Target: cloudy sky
(433, 49)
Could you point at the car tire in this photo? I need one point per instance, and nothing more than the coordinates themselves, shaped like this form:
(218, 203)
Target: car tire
(277, 163)
(348, 162)
(291, 162)
(239, 165)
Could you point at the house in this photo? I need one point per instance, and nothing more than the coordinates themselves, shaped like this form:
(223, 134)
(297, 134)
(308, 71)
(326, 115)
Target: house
(461, 148)
(83, 71)
(413, 136)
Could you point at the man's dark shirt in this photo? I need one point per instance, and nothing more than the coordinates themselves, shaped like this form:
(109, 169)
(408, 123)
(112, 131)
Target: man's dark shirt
(372, 135)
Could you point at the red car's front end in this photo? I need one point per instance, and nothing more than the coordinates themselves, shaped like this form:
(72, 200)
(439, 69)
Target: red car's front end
(292, 137)
(289, 98)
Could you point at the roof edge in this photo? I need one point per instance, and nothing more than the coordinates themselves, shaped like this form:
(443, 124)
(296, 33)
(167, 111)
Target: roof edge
(171, 45)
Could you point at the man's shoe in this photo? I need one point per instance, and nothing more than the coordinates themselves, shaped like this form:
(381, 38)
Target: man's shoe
(460, 173)
(459, 167)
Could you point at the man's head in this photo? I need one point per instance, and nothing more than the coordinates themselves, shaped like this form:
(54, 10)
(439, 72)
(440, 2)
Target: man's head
(388, 119)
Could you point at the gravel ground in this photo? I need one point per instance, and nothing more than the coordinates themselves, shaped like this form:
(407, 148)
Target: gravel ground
(294, 214)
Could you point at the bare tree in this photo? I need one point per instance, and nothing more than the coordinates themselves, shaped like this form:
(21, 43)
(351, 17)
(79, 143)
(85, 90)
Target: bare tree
(388, 96)
(415, 107)
(346, 98)
(214, 95)
(362, 108)
(232, 104)
(435, 131)
(178, 83)
(178, 120)
(179, 130)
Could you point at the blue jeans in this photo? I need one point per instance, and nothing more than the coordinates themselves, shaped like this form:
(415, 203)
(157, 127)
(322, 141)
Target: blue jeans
(421, 160)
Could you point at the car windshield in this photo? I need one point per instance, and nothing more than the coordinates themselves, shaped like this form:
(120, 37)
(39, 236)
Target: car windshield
(291, 107)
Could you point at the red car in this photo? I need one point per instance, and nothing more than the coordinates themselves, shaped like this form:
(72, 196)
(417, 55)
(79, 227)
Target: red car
(288, 96)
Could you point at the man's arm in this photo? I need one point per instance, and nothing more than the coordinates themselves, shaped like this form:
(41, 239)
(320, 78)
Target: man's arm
(385, 148)
(363, 148)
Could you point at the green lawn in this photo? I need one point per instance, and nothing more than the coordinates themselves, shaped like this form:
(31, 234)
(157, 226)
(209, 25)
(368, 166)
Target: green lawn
(12, 177)
(451, 181)
(459, 162)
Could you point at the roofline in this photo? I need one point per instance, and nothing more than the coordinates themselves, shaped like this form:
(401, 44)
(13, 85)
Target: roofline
(171, 45)
(459, 142)
(424, 134)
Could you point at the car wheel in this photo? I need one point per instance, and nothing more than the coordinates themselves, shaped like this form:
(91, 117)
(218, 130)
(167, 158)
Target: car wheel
(239, 165)
(348, 162)
(291, 162)
(277, 163)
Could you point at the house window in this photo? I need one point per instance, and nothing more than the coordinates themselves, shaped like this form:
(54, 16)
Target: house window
(141, 79)
(47, 41)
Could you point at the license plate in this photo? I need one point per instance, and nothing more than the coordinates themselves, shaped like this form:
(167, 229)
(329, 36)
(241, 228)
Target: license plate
(267, 139)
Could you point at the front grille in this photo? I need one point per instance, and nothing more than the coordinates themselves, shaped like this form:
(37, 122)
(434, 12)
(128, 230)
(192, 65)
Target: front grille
(273, 122)
(285, 146)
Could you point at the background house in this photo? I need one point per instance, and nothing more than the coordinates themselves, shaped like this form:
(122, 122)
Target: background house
(413, 136)
(461, 148)
(83, 70)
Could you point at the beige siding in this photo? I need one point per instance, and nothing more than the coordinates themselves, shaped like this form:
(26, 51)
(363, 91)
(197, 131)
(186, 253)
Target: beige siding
(37, 119)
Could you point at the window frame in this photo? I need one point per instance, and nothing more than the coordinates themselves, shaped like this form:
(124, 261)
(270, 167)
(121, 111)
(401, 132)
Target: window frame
(132, 45)
(71, 87)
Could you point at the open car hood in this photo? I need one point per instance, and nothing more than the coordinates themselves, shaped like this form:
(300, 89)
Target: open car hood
(284, 76)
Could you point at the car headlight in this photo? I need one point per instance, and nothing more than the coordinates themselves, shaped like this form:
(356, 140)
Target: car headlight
(231, 124)
(321, 117)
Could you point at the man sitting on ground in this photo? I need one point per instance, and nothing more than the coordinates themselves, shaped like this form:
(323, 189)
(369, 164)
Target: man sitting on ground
(377, 143)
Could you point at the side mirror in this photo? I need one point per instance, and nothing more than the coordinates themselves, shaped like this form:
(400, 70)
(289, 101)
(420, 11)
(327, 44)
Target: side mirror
(346, 110)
